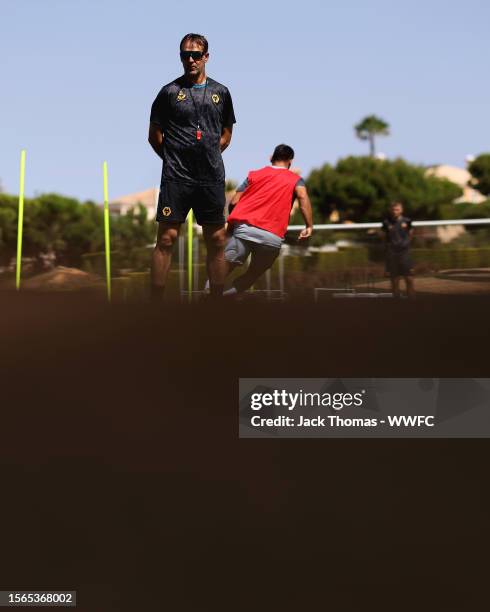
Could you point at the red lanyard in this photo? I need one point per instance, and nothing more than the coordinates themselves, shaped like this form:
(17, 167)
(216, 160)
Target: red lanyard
(198, 114)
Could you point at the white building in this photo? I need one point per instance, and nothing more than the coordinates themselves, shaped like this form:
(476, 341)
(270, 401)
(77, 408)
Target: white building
(148, 198)
(462, 178)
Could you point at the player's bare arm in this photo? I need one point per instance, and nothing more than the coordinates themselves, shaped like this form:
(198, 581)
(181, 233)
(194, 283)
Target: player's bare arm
(155, 138)
(306, 211)
(225, 138)
(234, 201)
(236, 198)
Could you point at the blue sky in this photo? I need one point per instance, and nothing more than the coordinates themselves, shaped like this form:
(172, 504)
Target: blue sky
(78, 78)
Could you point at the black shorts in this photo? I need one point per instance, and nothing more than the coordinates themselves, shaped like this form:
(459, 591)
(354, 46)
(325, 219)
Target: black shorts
(176, 200)
(399, 263)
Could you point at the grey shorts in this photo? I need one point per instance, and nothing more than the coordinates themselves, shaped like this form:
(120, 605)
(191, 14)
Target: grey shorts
(237, 251)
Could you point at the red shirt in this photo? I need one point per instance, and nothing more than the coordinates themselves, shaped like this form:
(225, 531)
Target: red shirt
(267, 200)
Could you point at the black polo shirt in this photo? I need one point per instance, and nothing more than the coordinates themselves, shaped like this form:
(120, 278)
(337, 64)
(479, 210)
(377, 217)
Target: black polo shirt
(177, 110)
(397, 233)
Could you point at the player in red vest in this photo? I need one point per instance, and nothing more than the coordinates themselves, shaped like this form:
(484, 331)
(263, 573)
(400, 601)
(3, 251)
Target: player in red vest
(260, 217)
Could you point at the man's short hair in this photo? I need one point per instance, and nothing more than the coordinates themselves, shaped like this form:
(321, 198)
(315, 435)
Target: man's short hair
(282, 152)
(195, 38)
(396, 203)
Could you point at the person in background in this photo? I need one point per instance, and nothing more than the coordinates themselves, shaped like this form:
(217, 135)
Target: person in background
(398, 234)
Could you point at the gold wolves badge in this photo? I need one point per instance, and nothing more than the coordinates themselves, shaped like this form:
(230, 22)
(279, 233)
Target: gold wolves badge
(215, 98)
(181, 96)
(166, 211)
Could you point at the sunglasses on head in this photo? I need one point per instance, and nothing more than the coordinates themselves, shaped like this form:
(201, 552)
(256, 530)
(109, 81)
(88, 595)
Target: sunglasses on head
(196, 55)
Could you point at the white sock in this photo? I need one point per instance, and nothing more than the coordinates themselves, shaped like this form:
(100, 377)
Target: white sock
(231, 291)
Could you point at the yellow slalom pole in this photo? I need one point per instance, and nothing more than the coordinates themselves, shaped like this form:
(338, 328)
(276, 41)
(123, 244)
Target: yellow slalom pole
(107, 237)
(189, 254)
(20, 224)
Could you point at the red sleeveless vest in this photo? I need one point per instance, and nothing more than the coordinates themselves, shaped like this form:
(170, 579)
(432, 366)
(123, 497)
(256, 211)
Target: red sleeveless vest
(267, 200)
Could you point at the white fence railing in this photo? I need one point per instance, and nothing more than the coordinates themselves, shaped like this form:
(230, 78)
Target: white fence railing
(353, 226)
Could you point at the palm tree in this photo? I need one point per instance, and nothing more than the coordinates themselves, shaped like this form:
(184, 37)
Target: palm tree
(369, 128)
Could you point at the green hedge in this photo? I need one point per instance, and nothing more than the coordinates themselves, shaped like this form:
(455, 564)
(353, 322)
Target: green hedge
(347, 265)
(136, 259)
(135, 287)
(344, 258)
(452, 258)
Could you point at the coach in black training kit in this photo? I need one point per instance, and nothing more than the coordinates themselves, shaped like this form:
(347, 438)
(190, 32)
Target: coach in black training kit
(191, 124)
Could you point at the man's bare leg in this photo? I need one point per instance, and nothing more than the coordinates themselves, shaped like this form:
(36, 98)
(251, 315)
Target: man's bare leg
(259, 263)
(395, 286)
(410, 286)
(215, 238)
(162, 257)
(229, 267)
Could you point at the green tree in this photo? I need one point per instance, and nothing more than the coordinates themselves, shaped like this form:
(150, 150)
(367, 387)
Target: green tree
(68, 228)
(230, 185)
(8, 227)
(361, 189)
(133, 230)
(479, 169)
(369, 128)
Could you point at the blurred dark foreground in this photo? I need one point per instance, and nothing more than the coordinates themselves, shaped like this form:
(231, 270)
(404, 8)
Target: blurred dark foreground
(124, 478)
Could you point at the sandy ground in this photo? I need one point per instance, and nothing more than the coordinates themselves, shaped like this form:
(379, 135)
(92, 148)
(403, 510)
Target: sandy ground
(60, 278)
(449, 282)
(439, 286)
